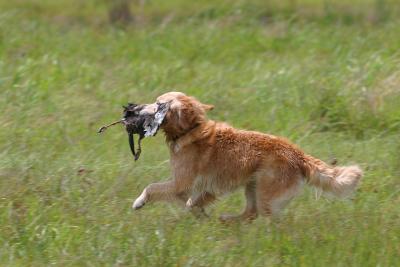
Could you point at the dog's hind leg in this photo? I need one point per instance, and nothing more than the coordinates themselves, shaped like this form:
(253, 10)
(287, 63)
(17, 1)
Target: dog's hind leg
(274, 193)
(250, 211)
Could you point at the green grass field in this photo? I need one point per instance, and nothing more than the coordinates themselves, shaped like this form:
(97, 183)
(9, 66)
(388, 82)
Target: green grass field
(325, 74)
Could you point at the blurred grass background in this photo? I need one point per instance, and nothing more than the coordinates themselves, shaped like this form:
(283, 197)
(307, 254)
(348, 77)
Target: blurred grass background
(325, 74)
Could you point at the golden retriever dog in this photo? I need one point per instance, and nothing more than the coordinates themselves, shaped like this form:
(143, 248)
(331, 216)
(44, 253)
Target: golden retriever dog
(209, 159)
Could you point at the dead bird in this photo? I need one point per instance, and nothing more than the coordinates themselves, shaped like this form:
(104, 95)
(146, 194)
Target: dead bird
(138, 120)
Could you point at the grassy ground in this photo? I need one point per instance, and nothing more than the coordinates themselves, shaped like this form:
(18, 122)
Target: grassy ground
(325, 74)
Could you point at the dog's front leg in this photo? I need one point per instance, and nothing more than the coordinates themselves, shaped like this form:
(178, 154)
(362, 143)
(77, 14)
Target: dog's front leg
(164, 191)
(194, 200)
(197, 201)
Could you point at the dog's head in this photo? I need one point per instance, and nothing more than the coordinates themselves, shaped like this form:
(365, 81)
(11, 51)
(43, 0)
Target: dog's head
(174, 112)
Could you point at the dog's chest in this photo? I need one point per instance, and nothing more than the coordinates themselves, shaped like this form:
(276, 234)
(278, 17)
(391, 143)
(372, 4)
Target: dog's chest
(184, 164)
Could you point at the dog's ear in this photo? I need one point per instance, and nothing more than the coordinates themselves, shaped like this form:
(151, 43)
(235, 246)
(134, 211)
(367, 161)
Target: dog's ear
(207, 107)
(152, 123)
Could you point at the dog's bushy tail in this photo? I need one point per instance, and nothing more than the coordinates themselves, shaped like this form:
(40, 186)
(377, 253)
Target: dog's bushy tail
(341, 181)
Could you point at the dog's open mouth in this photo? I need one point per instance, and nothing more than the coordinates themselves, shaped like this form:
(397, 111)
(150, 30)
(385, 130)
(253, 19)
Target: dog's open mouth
(143, 124)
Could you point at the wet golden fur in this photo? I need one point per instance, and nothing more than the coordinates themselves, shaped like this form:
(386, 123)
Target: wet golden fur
(209, 159)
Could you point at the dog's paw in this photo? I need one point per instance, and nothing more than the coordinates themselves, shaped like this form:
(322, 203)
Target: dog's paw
(139, 202)
(189, 203)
